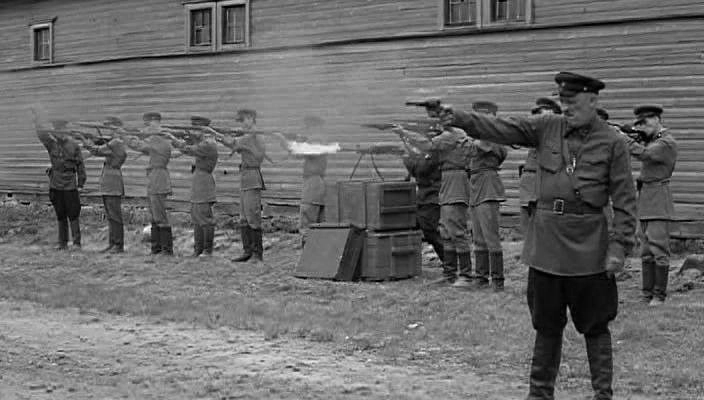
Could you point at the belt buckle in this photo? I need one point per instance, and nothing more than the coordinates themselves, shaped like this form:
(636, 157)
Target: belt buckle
(558, 206)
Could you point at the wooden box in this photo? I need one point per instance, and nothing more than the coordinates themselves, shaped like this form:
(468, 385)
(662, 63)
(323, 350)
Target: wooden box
(331, 252)
(390, 255)
(372, 205)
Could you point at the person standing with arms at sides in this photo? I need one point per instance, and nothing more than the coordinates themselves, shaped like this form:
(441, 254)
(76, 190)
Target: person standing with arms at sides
(66, 176)
(158, 148)
(572, 258)
(657, 155)
(312, 209)
(203, 196)
(251, 149)
(451, 147)
(425, 169)
(527, 171)
(112, 187)
(486, 193)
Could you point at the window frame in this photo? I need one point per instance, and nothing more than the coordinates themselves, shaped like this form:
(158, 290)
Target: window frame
(41, 25)
(483, 19)
(189, 8)
(221, 5)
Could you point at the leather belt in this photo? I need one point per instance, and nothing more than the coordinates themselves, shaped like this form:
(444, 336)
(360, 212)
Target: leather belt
(560, 206)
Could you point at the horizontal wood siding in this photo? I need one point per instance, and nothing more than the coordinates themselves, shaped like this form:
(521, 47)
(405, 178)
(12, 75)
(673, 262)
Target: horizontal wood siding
(90, 30)
(357, 83)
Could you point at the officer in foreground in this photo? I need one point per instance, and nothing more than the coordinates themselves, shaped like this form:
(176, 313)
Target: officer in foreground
(571, 256)
(66, 175)
(657, 153)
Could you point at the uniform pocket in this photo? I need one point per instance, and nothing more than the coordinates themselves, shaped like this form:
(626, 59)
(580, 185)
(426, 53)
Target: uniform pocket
(550, 158)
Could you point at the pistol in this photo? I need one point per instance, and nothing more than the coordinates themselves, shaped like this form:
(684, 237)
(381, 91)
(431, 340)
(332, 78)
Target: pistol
(432, 104)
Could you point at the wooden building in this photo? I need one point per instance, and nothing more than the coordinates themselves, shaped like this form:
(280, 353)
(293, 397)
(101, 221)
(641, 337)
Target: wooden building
(348, 61)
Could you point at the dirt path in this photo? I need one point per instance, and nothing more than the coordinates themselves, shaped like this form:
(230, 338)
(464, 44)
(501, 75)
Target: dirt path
(63, 354)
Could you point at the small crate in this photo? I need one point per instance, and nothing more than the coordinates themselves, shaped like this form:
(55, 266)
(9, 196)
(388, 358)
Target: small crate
(390, 255)
(372, 205)
(331, 252)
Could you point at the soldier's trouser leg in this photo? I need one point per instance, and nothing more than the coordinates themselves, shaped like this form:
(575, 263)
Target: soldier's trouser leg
(202, 217)
(160, 218)
(428, 218)
(309, 214)
(73, 212)
(453, 228)
(656, 243)
(488, 218)
(57, 201)
(251, 208)
(448, 226)
(113, 213)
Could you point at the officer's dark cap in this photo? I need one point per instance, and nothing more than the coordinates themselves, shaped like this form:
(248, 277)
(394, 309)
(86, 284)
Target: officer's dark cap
(245, 112)
(487, 107)
(59, 124)
(570, 84)
(112, 121)
(200, 121)
(152, 116)
(310, 121)
(644, 111)
(602, 113)
(544, 103)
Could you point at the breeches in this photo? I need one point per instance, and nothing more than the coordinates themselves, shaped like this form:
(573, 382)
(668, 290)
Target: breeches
(157, 209)
(251, 208)
(453, 227)
(202, 214)
(592, 301)
(485, 226)
(655, 241)
(67, 204)
(113, 208)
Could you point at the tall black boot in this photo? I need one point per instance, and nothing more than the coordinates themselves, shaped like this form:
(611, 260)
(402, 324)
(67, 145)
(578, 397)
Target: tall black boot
(119, 238)
(155, 239)
(75, 232)
(166, 240)
(662, 273)
(545, 366)
(63, 235)
(111, 237)
(464, 281)
(481, 258)
(449, 268)
(257, 245)
(197, 240)
(648, 280)
(496, 265)
(208, 239)
(246, 244)
(601, 366)
(433, 238)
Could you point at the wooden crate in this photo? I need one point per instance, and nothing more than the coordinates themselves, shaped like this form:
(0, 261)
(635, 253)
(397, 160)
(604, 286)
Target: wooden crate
(390, 255)
(372, 205)
(331, 252)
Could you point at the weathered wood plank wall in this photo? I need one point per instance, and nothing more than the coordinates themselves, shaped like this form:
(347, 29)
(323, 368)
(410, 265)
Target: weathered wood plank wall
(346, 84)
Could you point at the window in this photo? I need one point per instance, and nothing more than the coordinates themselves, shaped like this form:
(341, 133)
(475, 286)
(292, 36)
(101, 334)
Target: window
(480, 13)
(217, 25)
(42, 43)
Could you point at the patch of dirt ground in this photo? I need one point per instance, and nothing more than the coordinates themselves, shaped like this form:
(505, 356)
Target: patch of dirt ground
(67, 354)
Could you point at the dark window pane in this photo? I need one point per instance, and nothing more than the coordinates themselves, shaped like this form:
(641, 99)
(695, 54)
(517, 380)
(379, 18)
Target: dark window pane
(507, 10)
(200, 27)
(42, 44)
(234, 20)
(460, 12)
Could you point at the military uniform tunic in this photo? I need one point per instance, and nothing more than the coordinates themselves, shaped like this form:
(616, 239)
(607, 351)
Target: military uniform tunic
(158, 149)
(251, 149)
(115, 153)
(203, 194)
(486, 191)
(66, 175)
(426, 172)
(568, 235)
(313, 196)
(658, 162)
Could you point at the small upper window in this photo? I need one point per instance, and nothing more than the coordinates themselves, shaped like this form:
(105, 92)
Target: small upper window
(42, 43)
(217, 25)
(478, 13)
(233, 24)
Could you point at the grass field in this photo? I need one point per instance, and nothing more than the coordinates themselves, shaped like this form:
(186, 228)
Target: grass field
(659, 352)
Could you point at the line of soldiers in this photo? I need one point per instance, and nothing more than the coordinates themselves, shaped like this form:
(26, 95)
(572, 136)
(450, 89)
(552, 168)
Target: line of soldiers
(581, 168)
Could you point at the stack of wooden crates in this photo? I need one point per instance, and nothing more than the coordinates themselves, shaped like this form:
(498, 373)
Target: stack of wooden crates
(385, 211)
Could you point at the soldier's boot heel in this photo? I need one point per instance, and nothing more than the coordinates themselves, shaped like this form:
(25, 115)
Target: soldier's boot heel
(481, 259)
(449, 269)
(648, 280)
(76, 232)
(464, 281)
(62, 244)
(197, 241)
(246, 244)
(208, 240)
(660, 287)
(155, 239)
(599, 354)
(496, 264)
